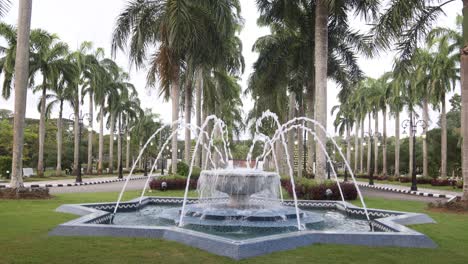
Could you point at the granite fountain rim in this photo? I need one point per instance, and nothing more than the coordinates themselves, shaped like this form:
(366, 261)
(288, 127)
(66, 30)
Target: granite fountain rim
(401, 236)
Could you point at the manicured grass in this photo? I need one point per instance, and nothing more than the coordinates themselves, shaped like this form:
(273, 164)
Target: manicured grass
(24, 226)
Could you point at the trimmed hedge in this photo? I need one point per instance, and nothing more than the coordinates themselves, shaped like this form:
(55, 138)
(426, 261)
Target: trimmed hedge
(308, 189)
(174, 182)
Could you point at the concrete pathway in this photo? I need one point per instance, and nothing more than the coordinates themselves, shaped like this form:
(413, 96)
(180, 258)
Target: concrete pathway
(108, 187)
(86, 181)
(406, 188)
(370, 192)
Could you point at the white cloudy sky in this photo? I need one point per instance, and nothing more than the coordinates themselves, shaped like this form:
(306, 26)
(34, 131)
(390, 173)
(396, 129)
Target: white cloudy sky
(90, 20)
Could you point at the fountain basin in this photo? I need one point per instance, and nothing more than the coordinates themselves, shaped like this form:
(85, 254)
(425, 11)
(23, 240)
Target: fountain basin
(389, 229)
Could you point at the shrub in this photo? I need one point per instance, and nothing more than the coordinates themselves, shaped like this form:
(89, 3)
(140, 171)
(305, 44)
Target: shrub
(460, 184)
(174, 182)
(420, 180)
(24, 193)
(311, 190)
(5, 165)
(392, 178)
(443, 182)
(182, 169)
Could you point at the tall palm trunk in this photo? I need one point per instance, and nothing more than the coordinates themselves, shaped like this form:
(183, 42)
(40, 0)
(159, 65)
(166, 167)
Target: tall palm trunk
(127, 149)
(21, 84)
(101, 138)
(300, 145)
(140, 146)
(175, 117)
(89, 169)
(119, 141)
(291, 113)
(369, 146)
(204, 154)
(76, 131)
(443, 141)
(464, 94)
(198, 114)
(348, 146)
(321, 59)
(310, 113)
(376, 143)
(411, 148)
(58, 170)
(397, 144)
(361, 145)
(384, 142)
(356, 147)
(111, 143)
(426, 121)
(188, 118)
(42, 131)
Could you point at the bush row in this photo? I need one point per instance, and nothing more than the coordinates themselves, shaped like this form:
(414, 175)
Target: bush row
(308, 189)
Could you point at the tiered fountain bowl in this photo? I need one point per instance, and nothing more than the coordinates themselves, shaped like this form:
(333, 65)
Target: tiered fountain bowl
(241, 198)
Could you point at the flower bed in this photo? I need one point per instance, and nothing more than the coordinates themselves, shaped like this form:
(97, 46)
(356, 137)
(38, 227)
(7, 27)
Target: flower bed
(24, 193)
(173, 183)
(308, 189)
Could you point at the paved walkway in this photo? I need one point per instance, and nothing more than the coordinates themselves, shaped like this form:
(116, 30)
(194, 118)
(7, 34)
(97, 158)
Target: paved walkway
(107, 187)
(370, 192)
(405, 188)
(86, 181)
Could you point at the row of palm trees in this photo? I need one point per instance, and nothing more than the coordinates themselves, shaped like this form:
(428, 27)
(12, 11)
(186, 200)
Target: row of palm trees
(423, 81)
(193, 51)
(67, 78)
(178, 36)
(209, 64)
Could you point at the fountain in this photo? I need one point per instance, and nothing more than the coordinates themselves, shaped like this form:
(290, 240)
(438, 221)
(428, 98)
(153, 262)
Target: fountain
(240, 199)
(240, 212)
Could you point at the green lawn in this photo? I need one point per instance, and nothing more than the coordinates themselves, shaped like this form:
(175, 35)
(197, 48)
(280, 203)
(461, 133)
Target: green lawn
(24, 226)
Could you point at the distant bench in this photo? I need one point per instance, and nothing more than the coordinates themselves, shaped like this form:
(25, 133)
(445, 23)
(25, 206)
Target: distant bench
(28, 172)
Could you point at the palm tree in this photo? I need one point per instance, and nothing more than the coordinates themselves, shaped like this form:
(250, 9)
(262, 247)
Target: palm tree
(108, 72)
(183, 30)
(321, 58)
(464, 91)
(49, 58)
(61, 94)
(344, 121)
(7, 62)
(4, 7)
(127, 109)
(405, 22)
(292, 24)
(21, 84)
(94, 89)
(444, 74)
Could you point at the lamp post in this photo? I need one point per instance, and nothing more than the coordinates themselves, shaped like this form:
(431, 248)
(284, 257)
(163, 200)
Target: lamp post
(412, 123)
(371, 136)
(80, 128)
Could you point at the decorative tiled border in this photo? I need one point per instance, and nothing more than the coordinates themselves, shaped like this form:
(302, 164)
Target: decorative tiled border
(425, 194)
(79, 184)
(389, 229)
